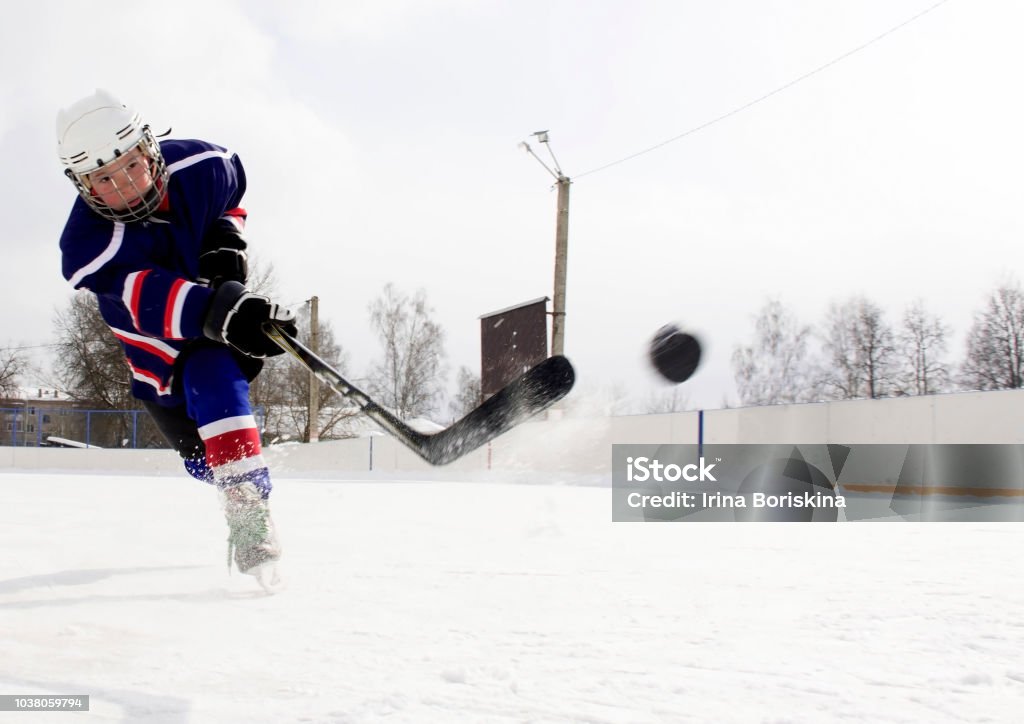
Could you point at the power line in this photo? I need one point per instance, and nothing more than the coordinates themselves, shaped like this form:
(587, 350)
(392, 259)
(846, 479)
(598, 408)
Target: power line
(768, 95)
(29, 346)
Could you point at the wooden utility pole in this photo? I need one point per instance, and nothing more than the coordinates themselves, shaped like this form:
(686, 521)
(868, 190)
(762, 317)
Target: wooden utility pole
(561, 264)
(561, 243)
(314, 383)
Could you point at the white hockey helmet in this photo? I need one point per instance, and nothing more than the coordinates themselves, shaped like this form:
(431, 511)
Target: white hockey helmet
(94, 132)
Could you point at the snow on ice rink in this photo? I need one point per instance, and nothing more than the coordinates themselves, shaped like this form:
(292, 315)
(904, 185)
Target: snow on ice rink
(433, 601)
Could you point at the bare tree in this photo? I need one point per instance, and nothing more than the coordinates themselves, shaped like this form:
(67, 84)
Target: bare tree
(282, 388)
(468, 392)
(922, 343)
(666, 401)
(877, 351)
(410, 378)
(262, 277)
(861, 351)
(775, 369)
(995, 343)
(90, 368)
(90, 365)
(618, 399)
(13, 365)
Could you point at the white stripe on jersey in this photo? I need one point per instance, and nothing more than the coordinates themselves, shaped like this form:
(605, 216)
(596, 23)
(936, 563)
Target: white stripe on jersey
(106, 255)
(148, 342)
(177, 305)
(192, 160)
(130, 282)
(160, 389)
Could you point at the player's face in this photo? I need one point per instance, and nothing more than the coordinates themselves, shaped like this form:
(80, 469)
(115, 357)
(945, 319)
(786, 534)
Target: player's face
(123, 182)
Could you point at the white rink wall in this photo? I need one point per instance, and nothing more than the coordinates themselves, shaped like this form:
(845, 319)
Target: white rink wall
(583, 446)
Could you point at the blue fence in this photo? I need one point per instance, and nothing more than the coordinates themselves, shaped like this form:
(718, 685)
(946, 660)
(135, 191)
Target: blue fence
(45, 426)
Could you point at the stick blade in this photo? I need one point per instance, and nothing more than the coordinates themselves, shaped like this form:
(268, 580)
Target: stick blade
(534, 391)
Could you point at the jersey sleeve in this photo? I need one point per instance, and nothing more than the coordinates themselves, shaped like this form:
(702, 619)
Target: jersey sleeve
(160, 303)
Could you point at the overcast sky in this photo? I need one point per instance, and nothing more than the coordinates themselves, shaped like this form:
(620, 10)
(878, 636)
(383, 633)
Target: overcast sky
(380, 141)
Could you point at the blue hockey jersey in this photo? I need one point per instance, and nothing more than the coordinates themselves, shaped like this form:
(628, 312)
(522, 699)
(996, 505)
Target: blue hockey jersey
(144, 272)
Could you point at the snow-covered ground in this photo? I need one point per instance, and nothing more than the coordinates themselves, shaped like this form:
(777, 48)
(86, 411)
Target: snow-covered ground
(434, 601)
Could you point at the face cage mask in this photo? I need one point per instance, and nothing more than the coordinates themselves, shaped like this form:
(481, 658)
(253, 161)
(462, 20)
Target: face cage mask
(148, 202)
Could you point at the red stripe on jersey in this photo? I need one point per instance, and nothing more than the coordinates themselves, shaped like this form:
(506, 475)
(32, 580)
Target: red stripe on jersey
(172, 302)
(136, 295)
(231, 446)
(165, 202)
(239, 216)
(148, 347)
(161, 388)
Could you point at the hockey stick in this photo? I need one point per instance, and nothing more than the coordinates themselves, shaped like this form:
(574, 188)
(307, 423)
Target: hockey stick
(533, 391)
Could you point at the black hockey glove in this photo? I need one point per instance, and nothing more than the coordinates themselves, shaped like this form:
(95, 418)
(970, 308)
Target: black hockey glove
(236, 317)
(223, 257)
(223, 265)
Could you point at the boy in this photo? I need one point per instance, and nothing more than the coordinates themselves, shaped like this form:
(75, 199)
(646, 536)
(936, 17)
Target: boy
(155, 234)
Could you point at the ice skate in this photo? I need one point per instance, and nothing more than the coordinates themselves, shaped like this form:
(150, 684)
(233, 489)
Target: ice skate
(252, 540)
(268, 576)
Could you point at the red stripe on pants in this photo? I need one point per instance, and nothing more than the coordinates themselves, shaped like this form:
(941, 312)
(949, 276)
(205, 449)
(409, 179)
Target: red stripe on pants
(231, 446)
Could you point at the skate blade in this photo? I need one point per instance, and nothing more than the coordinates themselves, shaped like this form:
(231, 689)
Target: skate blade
(269, 578)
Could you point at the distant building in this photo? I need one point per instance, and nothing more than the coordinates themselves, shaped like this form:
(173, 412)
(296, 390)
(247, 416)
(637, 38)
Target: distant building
(512, 340)
(35, 414)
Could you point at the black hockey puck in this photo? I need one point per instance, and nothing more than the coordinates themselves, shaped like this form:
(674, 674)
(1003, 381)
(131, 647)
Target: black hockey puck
(674, 353)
